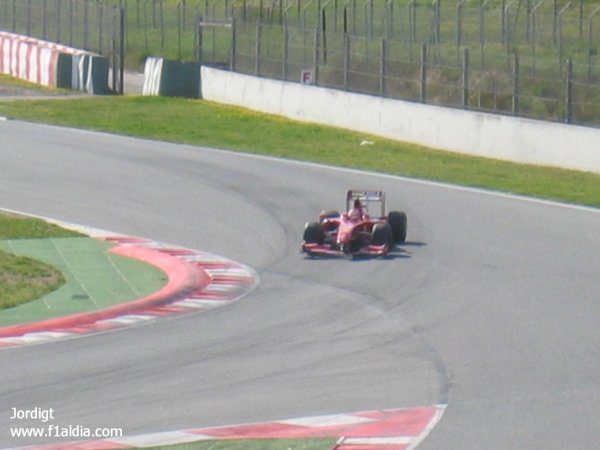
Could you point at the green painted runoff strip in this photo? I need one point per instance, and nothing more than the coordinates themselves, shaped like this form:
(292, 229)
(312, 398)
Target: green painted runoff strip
(95, 278)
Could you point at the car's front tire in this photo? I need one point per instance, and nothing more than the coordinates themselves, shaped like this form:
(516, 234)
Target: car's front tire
(382, 235)
(399, 225)
(313, 233)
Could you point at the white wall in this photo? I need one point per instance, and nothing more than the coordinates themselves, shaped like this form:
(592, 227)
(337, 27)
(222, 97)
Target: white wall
(468, 132)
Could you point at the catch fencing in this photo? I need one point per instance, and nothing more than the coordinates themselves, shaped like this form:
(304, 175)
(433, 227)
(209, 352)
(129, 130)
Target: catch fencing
(537, 59)
(531, 58)
(84, 24)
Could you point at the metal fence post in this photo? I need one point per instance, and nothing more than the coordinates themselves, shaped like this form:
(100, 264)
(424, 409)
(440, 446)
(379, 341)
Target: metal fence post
(354, 16)
(560, 37)
(45, 20)
(162, 25)
(580, 19)
(335, 15)
(528, 21)
(28, 17)
(569, 93)
(71, 23)
(346, 59)
(179, 24)
(199, 33)
(482, 4)
(86, 28)
(433, 25)
(555, 20)
(382, 66)
(412, 22)
(590, 49)
(99, 18)
(233, 50)
(316, 56)
(145, 27)
(392, 19)
(280, 12)
(154, 13)
(114, 61)
(438, 17)
(516, 87)
(121, 50)
(459, 7)
(286, 40)
(465, 79)
(504, 22)
(58, 17)
(257, 49)
(324, 33)
(14, 17)
(423, 96)
(366, 18)
(387, 18)
(369, 19)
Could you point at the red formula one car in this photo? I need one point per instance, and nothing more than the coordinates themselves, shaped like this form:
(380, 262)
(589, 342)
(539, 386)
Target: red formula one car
(364, 230)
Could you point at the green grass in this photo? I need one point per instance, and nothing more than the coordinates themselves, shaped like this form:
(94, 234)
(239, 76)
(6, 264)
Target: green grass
(17, 227)
(6, 80)
(204, 123)
(24, 279)
(255, 444)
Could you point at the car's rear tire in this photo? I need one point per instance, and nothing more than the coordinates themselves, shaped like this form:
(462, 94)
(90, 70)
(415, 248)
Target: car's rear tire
(382, 235)
(399, 225)
(313, 233)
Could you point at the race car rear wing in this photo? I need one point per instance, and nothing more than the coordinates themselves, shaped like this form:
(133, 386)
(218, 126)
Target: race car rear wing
(366, 198)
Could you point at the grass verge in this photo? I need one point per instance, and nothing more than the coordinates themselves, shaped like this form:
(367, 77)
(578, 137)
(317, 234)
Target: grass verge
(9, 82)
(24, 279)
(17, 227)
(205, 123)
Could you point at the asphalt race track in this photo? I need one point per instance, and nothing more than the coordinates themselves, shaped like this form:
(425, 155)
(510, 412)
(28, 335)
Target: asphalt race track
(493, 306)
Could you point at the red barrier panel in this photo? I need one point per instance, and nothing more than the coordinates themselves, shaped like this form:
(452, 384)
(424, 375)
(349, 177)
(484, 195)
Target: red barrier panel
(51, 64)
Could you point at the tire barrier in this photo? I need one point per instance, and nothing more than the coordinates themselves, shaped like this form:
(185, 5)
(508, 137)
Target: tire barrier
(52, 65)
(171, 78)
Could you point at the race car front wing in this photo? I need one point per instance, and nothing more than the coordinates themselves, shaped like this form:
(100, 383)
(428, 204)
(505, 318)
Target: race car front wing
(327, 250)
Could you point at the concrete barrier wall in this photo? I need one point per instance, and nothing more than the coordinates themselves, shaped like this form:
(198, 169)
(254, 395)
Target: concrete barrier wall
(479, 134)
(52, 65)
